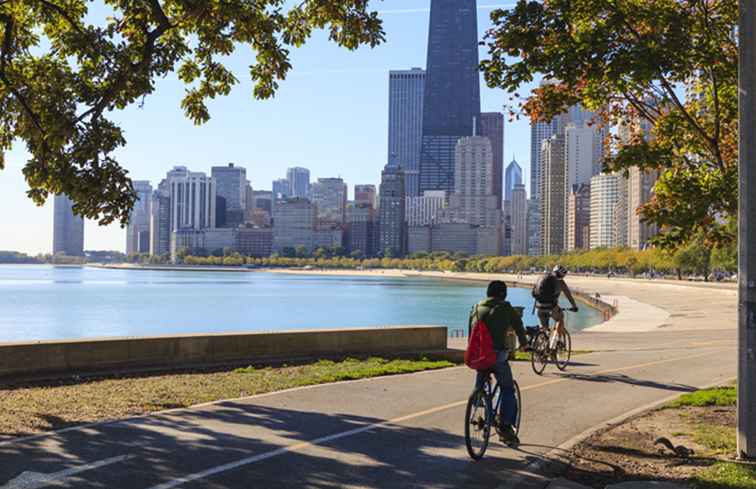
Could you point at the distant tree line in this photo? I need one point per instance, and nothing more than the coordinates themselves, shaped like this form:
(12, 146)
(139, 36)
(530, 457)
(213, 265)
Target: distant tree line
(695, 259)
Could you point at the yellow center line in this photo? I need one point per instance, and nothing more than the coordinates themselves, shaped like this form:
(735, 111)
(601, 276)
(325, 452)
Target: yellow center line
(298, 447)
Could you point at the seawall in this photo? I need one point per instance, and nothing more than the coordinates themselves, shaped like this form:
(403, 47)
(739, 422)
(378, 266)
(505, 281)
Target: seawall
(47, 359)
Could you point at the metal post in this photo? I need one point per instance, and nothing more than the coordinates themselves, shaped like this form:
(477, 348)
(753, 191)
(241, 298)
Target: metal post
(747, 235)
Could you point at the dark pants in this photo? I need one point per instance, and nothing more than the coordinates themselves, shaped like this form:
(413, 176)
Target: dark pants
(503, 373)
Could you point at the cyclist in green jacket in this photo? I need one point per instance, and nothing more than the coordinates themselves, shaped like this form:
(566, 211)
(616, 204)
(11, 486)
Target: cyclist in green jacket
(500, 317)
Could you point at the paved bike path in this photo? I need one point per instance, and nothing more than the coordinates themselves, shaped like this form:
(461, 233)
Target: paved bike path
(389, 432)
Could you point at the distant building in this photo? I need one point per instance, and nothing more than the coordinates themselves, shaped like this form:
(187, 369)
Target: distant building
(604, 197)
(231, 186)
(513, 177)
(492, 127)
(506, 228)
(392, 210)
(552, 196)
(473, 200)
(263, 199)
(578, 221)
(451, 103)
(365, 194)
(68, 228)
(640, 191)
(328, 237)
(424, 210)
(281, 189)
(254, 242)
(299, 182)
(203, 242)
(192, 199)
(160, 220)
(621, 213)
(293, 224)
(361, 229)
(139, 220)
(455, 238)
(406, 92)
(583, 146)
(534, 227)
(330, 197)
(519, 220)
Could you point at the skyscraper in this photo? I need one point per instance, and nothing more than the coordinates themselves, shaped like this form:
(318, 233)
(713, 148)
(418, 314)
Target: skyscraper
(192, 199)
(231, 186)
(299, 182)
(583, 161)
(330, 197)
(160, 220)
(640, 191)
(293, 225)
(406, 92)
(425, 210)
(473, 200)
(519, 220)
(452, 89)
(578, 221)
(492, 127)
(139, 219)
(68, 228)
(392, 237)
(365, 194)
(604, 197)
(553, 196)
(281, 189)
(513, 178)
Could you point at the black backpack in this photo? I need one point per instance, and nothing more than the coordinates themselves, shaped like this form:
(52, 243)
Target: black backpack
(546, 290)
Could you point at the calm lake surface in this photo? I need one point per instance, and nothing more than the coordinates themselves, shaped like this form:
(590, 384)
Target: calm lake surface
(45, 302)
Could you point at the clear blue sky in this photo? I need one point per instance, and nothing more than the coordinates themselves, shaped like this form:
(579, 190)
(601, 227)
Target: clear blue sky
(330, 115)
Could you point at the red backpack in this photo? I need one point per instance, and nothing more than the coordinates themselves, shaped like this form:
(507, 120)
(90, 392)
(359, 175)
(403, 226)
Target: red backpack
(480, 353)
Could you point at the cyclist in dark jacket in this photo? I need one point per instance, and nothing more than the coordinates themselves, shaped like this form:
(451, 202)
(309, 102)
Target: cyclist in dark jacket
(500, 317)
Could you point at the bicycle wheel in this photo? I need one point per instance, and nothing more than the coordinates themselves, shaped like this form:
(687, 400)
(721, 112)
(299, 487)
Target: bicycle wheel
(518, 399)
(563, 351)
(477, 424)
(539, 357)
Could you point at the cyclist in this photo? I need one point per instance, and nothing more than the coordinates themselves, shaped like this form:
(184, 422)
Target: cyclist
(500, 317)
(546, 293)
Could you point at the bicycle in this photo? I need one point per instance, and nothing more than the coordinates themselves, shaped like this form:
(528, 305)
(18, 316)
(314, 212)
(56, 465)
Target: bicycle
(482, 414)
(548, 345)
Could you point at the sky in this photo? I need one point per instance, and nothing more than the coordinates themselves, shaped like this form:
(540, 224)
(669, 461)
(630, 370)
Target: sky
(330, 115)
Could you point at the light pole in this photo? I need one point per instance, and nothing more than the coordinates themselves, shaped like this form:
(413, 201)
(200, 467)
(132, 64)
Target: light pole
(747, 235)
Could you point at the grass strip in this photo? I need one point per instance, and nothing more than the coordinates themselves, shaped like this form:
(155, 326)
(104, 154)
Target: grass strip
(719, 396)
(35, 409)
(726, 475)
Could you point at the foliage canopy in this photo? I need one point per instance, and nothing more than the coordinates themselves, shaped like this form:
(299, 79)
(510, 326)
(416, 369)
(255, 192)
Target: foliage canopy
(63, 73)
(630, 60)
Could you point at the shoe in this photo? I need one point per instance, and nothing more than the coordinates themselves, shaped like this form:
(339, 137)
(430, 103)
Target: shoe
(508, 436)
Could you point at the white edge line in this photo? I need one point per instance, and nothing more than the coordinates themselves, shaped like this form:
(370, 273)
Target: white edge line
(140, 417)
(532, 469)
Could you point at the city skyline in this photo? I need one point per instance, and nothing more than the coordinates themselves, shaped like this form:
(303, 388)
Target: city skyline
(349, 82)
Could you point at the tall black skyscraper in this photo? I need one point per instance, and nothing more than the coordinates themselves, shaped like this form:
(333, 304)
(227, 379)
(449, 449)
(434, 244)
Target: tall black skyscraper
(452, 89)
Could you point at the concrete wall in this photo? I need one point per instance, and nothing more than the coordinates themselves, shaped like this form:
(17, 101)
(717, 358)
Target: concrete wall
(59, 358)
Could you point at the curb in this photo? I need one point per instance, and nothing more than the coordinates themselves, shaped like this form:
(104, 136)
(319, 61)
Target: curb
(533, 468)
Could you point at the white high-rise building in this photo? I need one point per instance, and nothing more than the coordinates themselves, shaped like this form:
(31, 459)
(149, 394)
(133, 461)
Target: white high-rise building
(604, 198)
(406, 90)
(192, 199)
(138, 228)
(474, 201)
(425, 210)
(519, 220)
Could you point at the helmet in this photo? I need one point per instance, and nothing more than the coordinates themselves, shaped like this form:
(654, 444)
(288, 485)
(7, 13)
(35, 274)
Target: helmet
(560, 271)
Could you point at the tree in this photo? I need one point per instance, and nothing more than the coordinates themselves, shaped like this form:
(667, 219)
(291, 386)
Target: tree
(61, 76)
(695, 257)
(627, 60)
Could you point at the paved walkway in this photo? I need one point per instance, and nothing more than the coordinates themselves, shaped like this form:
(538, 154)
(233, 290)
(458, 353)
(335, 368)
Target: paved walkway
(396, 432)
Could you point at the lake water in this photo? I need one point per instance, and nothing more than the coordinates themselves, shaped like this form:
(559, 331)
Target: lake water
(45, 302)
